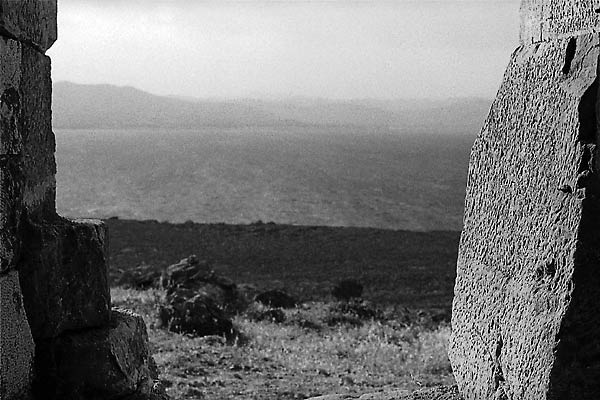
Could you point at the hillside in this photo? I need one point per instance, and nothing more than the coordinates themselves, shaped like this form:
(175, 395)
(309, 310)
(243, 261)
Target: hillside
(415, 269)
(77, 106)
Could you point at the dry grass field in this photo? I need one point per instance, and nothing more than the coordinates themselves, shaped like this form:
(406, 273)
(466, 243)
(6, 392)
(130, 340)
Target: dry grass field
(318, 349)
(302, 357)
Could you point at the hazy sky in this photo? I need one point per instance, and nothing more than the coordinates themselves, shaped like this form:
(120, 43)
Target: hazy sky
(332, 49)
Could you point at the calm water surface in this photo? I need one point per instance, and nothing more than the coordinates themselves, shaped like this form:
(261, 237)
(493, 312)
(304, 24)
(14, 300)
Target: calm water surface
(310, 176)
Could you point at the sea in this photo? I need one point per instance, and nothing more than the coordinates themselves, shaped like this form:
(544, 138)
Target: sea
(331, 176)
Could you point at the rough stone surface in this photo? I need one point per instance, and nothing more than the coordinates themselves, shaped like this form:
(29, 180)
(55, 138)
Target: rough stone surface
(11, 147)
(53, 272)
(27, 166)
(195, 314)
(437, 393)
(526, 320)
(35, 126)
(542, 20)
(64, 276)
(16, 343)
(191, 277)
(98, 364)
(29, 21)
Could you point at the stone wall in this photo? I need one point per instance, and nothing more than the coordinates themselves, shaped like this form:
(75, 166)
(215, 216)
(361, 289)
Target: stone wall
(526, 319)
(59, 338)
(543, 20)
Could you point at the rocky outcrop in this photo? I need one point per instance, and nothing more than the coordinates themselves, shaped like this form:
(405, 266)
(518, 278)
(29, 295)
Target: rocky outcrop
(58, 336)
(195, 314)
(191, 277)
(526, 320)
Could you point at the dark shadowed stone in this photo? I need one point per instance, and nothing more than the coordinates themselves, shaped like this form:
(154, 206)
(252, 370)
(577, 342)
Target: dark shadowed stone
(183, 271)
(194, 314)
(98, 364)
(64, 276)
(35, 127)
(436, 393)
(276, 299)
(141, 277)
(195, 277)
(347, 289)
(11, 149)
(29, 21)
(27, 166)
(16, 343)
(526, 315)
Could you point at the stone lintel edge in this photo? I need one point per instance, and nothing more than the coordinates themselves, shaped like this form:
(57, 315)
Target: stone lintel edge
(6, 35)
(562, 36)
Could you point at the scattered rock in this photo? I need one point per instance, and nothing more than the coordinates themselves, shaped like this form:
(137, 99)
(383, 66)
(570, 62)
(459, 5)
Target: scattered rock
(191, 276)
(276, 299)
(197, 315)
(141, 277)
(186, 270)
(347, 289)
(247, 292)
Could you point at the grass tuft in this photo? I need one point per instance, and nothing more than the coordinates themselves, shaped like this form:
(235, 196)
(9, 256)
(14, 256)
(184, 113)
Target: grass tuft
(304, 356)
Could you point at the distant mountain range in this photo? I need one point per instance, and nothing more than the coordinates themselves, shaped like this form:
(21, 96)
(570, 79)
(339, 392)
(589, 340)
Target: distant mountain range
(79, 106)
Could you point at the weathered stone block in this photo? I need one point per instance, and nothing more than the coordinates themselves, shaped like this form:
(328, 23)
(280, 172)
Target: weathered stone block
(64, 276)
(526, 319)
(29, 21)
(16, 343)
(99, 364)
(35, 127)
(27, 165)
(542, 20)
(11, 147)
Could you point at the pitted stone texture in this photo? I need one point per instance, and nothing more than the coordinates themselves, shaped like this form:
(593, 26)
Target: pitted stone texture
(16, 343)
(11, 147)
(528, 273)
(27, 165)
(29, 21)
(35, 126)
(64, 276)
(99, 364)
(543, 20)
